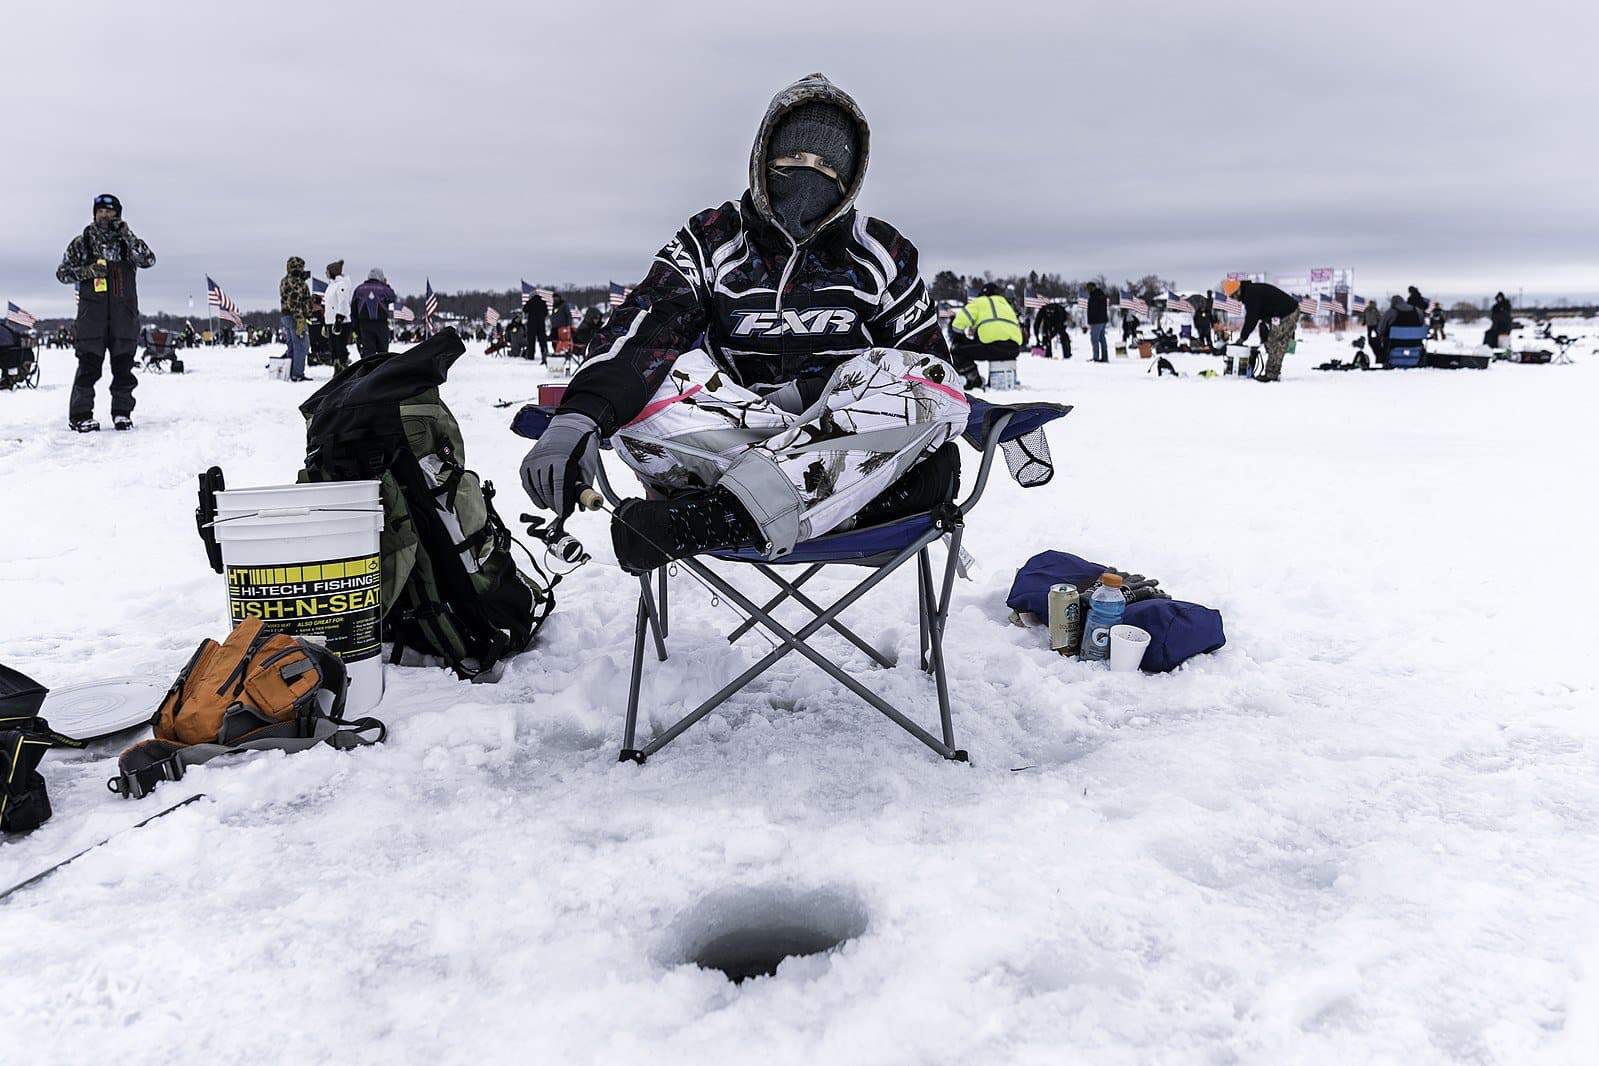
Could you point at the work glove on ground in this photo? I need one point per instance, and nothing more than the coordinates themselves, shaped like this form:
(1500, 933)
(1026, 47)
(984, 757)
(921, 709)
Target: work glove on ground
(566, 454)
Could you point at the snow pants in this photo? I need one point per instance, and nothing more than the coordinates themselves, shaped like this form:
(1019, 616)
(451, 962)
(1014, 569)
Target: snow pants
(91, 362)
(802, 457)
(1278, 338)
(371, 336)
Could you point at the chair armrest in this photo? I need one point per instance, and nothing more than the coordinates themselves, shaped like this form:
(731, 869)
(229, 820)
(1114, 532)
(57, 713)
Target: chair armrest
(990, 445)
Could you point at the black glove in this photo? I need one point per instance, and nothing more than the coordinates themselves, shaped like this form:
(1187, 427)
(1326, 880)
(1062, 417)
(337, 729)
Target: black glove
(567, 453)
(98, 269)
(338, 320)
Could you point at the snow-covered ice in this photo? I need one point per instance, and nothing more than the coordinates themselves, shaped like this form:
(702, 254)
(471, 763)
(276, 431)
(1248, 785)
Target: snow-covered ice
(1365, 831)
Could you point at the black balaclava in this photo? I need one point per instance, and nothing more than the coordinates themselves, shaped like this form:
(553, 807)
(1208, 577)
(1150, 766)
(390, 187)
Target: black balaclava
(802, 197)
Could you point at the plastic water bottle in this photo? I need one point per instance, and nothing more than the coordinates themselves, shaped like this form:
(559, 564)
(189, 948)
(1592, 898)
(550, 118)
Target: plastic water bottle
(1105, 609)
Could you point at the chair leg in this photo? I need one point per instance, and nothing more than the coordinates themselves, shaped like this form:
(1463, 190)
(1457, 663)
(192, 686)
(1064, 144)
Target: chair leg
(629, 753)
(924, 584)
(939, 617)
(662, 608)
(657, 628)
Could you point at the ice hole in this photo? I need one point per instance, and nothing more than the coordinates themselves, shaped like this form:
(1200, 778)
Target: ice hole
(748, 932)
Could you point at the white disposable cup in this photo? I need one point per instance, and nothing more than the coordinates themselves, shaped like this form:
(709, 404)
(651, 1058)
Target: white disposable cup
(1127, 647)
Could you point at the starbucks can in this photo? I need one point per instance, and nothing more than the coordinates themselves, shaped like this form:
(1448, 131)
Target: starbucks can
(1065, 619)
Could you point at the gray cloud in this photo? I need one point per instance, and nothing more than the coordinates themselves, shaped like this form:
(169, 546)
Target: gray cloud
(476, 142)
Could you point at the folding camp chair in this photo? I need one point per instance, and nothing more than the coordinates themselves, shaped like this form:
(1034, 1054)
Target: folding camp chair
(1406, 346)
(882, 549)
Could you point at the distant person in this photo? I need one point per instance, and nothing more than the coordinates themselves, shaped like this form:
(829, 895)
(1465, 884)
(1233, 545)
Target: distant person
(1050, 325)
(1417, 300)
(1435, 322)
(1129, 327)
(103, 262)
(1202, 320)
(1098, 319)
(294, 301)
(992, 333)
(1370, 315)
(1499, 321)
(336, 313)
(1401, 312)
(562, 318)
(536, 314)
(370, 305)
(1266, 305)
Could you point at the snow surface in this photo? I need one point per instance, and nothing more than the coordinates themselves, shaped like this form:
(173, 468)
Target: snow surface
(1365, 831)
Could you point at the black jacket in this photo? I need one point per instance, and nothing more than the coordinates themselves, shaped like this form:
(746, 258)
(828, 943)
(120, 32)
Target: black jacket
(1051, 318)
(767, 307)
(1501, 316)
(1098, 308)
(535, 311)
(1263, 303)
(107, 307)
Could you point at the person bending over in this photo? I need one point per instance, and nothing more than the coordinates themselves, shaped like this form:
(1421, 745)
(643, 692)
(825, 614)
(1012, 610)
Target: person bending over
(779, 372)
(1266, 305)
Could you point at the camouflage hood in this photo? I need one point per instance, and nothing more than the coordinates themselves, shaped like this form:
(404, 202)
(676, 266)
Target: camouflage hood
(809, 89)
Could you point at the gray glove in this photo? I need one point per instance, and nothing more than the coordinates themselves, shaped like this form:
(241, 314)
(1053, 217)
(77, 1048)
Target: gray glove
(567, 452)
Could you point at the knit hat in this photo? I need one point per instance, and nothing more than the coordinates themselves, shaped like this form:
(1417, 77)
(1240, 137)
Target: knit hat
(335, 268)
(820, 127)
(376, 274)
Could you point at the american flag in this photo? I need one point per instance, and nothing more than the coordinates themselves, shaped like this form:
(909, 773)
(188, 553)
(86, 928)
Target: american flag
(403, 313)
(491, 317)
(318, 286)
(1133, 304)
(1357, 304)
(1307, 305)
(1034, 303)
(527, 290)
(1329, 306)
(430, 302)
(1228, 305)
(1082, 305)
(619, 293)
(1178, 305)
(17, 316)
(227, 310)
(548, 296)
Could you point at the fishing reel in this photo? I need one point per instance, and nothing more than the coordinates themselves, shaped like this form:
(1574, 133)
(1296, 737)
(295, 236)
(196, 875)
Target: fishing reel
(554, 536)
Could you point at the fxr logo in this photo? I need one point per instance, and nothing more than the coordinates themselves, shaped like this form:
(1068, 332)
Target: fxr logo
(917, 310)
(811, 323)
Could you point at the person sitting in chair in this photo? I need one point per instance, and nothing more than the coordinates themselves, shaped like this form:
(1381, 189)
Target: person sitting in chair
(1400, 313)
(779, 372)
(987, 329)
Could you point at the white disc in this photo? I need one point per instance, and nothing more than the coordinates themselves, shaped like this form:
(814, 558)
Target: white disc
(98, 709)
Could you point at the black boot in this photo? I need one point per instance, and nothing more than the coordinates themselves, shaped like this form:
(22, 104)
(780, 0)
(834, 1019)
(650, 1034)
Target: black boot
(932, 481)
(648, 534)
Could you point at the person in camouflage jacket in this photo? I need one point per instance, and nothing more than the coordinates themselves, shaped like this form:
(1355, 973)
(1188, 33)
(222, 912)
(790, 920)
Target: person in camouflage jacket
(295, 302)
(103, 262)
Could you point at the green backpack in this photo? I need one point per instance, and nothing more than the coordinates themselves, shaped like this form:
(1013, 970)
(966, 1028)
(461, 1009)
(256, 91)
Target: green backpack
(451, 588)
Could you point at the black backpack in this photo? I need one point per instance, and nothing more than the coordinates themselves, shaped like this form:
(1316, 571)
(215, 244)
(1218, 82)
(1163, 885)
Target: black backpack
(24, 738)
(451, 587)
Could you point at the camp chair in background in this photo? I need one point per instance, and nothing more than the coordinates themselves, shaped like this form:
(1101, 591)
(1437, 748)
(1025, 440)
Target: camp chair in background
(1405, 346)
(880, 549)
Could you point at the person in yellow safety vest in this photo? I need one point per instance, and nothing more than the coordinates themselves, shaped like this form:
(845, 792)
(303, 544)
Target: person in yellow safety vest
(986, 328)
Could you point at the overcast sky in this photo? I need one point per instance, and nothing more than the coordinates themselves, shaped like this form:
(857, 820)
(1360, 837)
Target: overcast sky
(1449, 145)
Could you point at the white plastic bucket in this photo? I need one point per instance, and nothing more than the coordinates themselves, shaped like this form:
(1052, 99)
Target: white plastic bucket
(305, 560)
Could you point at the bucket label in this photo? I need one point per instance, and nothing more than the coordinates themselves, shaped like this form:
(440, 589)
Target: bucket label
(340, 601)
